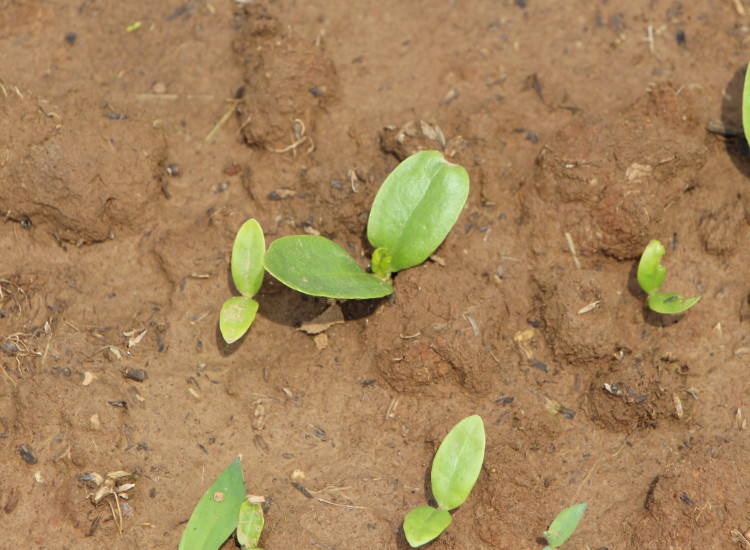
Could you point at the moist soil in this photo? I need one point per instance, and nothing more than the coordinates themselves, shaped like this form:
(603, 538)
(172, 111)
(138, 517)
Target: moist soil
(129, 158)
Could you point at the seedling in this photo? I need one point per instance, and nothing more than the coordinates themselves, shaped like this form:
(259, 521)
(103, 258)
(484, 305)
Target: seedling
(651, 275)
(222, 509)
(413, 212)
(238, 312)
(563, 526)
(455, 470)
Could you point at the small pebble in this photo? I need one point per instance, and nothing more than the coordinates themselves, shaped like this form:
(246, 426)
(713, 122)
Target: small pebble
(174, 170)
(159, 88)
(233, 169)
(139, 375)
(27, 454)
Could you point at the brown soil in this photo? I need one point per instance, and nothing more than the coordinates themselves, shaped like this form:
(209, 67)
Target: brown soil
(585, 118)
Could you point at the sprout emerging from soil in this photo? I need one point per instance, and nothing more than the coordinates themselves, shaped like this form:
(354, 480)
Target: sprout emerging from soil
(238, 313)
(413, 212)
(455, 470)
(651, 275)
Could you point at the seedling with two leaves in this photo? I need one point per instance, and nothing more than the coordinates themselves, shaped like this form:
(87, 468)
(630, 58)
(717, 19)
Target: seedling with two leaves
(222, 509)
(413, 212)
(238, 312)
(651, 275)
(455, 470)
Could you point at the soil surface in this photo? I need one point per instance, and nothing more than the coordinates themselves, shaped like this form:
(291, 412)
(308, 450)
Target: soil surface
(129, 157)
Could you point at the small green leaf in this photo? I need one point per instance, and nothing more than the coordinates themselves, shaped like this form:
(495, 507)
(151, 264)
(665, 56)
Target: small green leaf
(236, 316)
(250, 525)
(458, 462)
(424, 524)
(670, 303)
(650, 272)
(381, 263)
(564, 525)
(217, 512)
(416, 207)
(746, 105)
(320, 267)
(247, 258)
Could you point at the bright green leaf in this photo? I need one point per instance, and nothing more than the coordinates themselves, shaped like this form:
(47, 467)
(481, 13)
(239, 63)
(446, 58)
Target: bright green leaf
(564, 525)
(458, 462)
(320, 267)
(416, 207)
(247, 258)
(217, 512)
(423, 524)
(250, 525)
(670, 303)
(650, 272)
(746, 105)
(236, 316)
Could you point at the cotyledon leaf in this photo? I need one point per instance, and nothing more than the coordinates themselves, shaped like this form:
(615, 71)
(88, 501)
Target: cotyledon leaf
(247, 258)
(250, 525)
(746, 104)
(670, 303)
(423, 524)
(416, 207)
(236, 316)
(458, 462)
(651, 273)
(564, 524)
(318, 266)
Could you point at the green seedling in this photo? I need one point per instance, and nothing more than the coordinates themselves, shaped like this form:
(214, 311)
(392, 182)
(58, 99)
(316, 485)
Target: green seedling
(651, 275)
(217, 512)
(563, 526)
(413, 212)
(238, 312)
(455, 470)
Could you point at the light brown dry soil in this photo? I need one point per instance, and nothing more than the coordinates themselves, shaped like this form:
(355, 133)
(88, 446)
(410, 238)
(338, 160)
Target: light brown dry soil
(611, 122)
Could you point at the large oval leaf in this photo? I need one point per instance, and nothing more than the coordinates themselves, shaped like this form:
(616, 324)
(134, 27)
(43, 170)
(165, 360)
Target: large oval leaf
(416, 207)
(458, 462)
(670, 303)
(423, 524)
(217, 512)
(320, 267)
(651, 273)
(247, 258)
(236, 316)
(564, 525)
